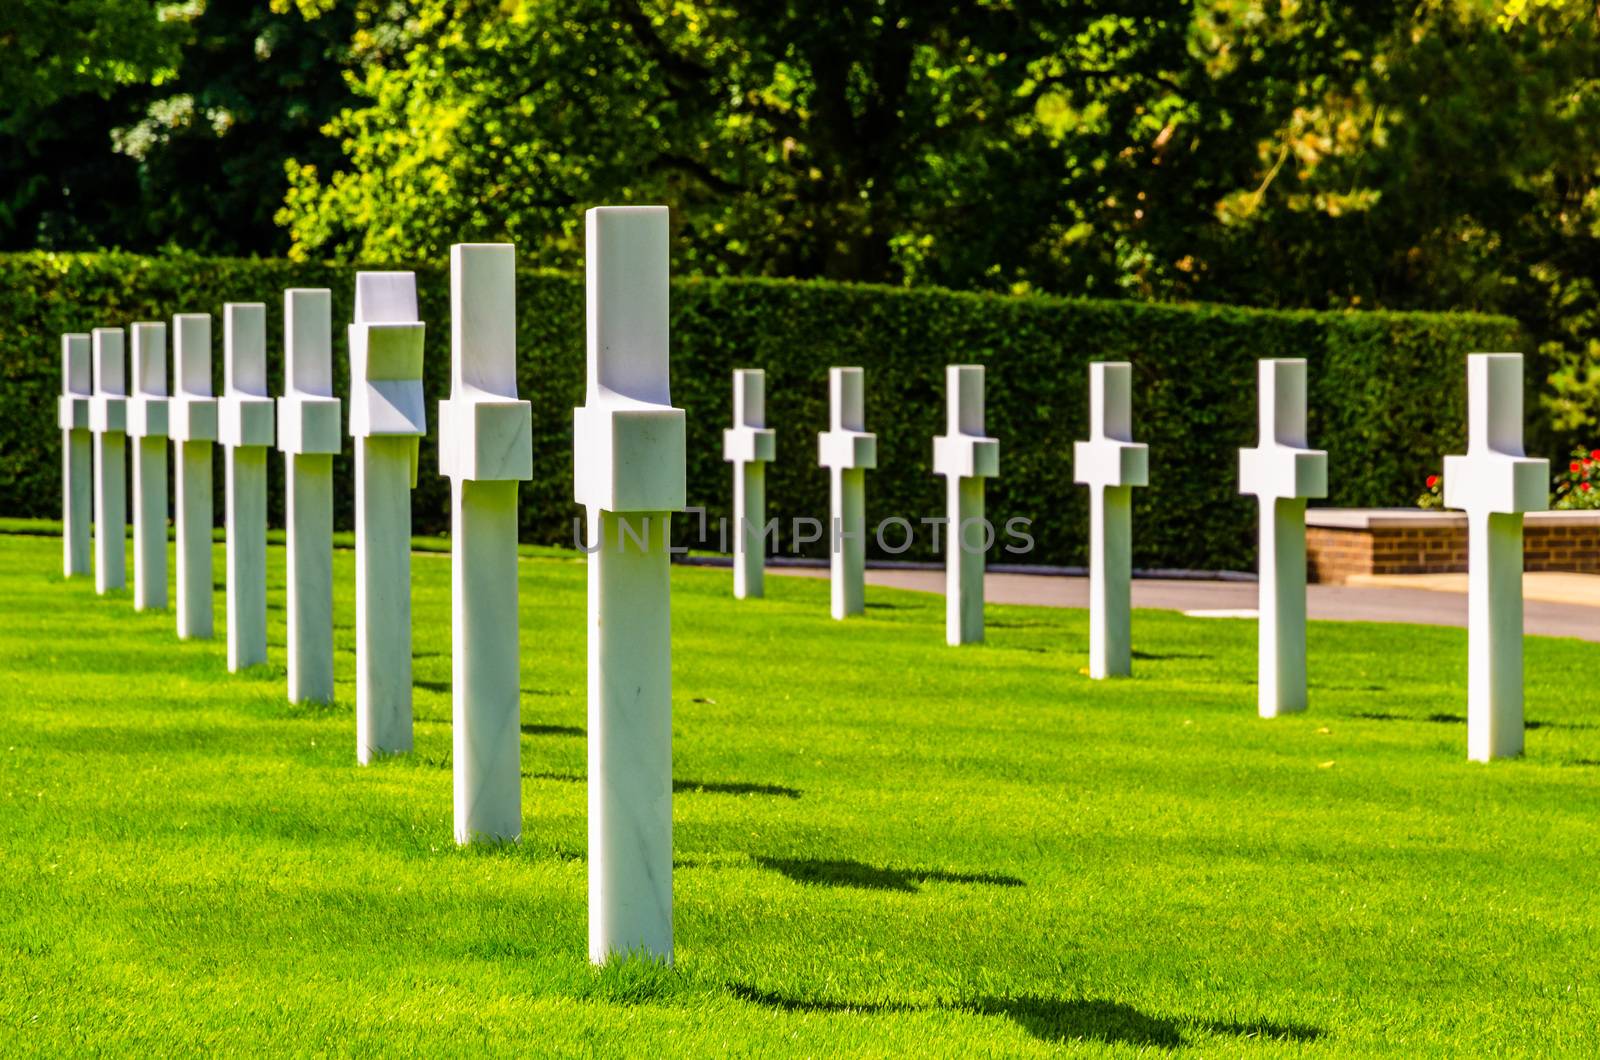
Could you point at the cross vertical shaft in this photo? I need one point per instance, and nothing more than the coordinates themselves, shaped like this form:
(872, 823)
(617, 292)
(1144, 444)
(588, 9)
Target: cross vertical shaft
(1110, 463)
(387, 421)
(193, 428)
(308, 437)
(486, 448)
(629, 466)
(1282, 474)
(848, 451)
(147, 431)
(1494, 483)
(108, 412)
(965, 457)
(245, 427)
(77, 454)
(749, 445)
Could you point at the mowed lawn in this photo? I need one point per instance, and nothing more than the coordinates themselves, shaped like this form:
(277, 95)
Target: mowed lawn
(883, 845)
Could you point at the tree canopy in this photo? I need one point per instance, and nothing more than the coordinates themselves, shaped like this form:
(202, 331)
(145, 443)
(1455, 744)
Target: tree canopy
(1433, 154)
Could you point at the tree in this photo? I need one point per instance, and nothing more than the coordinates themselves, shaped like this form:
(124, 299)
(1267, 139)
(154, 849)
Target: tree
(144, 126)
(857, 141)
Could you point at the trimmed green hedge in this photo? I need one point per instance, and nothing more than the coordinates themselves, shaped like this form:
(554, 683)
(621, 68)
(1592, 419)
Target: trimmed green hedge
(1388, 390)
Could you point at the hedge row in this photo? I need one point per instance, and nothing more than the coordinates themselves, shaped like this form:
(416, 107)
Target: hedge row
(1387, 390)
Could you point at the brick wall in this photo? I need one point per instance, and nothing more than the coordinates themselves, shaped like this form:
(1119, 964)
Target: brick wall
(1334, 554)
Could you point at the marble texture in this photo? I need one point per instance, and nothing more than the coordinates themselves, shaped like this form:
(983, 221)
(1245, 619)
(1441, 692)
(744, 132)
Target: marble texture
(629, 468)
(1282, 473)
(387, 421)
(147, 431)
(77, 454)
(964, 456)
(1111, 464)
(485, 449)
(749, 445)
(108, 422)
(308, 438)
(192, 429)
(192, 426)
(245, 429)
(848, 451)
(1494, 483)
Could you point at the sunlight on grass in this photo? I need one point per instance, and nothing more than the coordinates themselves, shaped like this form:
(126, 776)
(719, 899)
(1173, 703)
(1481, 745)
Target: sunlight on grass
(882, 845)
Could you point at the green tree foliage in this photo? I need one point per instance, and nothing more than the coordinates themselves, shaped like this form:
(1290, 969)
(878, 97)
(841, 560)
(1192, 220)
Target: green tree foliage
(1065, 145)
(1052, 143)
(1310, 153)
(142, 125)
(1461, 167)
(1439, 154)
(76, 47)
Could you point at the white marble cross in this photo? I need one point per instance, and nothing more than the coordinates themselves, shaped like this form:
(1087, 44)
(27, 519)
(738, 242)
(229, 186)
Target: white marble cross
(309, 438)
(848, 451)
(1282, 473)
(244, 427)
(77, 461)
(108, 420)
(192, 425)
(629, 472)
(965, 457)
(147, 430)
(387, 420)
(1495, 483)
(1110, 463)
(749, 445)
(485, 448)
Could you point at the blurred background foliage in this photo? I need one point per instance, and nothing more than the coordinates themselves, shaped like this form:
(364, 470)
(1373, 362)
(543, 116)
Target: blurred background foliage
(1435, 154)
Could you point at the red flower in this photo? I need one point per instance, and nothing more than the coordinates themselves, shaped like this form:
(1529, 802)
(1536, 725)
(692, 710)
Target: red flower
(1595, 454)
(1577, 466)
(1433, 480)
(1584, 486)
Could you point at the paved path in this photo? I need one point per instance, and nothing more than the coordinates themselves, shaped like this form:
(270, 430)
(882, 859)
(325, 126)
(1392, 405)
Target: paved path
(1432, 601)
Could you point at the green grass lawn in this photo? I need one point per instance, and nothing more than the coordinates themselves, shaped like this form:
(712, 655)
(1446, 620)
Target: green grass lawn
(883, 845)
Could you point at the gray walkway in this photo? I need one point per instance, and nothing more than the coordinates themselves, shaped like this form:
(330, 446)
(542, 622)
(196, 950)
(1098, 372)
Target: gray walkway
(1430, 607)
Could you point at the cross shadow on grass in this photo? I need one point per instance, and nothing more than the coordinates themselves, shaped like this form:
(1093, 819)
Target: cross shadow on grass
(1461, 719)
(532, 729)
(736, 787)
(1054, 1019)
(1151, 656)
(718, 787)
(838, 872)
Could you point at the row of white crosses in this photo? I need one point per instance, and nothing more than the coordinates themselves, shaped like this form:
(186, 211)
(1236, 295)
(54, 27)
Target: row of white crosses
(963, 455)
(629, 472)
(387, 420)
(629, 468)
(1494, 483)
